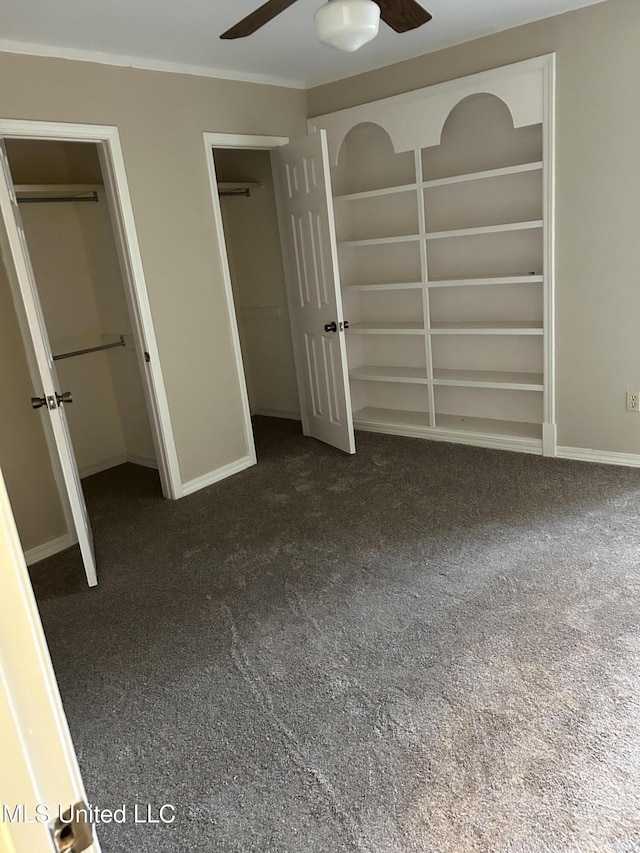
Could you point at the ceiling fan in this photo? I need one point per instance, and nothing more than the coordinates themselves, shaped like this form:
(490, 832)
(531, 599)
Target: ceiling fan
(343, 24)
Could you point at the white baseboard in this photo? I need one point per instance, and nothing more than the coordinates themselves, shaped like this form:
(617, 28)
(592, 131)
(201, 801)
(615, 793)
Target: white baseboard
(98, 467)
(519, 445)
(215, 476)
(104, 465)
(604, 457)
(277, 413)
(48, 549)
(146, 461)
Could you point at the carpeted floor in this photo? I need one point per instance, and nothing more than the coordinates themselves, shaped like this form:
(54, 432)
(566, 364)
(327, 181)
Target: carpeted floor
(423, 648)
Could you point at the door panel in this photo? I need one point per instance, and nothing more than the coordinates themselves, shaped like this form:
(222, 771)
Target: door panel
(309, 250)
(29, 310)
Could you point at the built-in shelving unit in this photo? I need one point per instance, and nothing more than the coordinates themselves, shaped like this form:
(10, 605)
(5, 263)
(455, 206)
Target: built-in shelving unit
(443, 253)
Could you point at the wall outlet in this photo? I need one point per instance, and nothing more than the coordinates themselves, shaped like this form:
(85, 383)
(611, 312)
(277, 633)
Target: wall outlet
(633, 400)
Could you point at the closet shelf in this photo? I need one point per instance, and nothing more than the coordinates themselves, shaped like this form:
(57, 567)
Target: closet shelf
(389, 285)
(380, 241)
(387, 328)
(374, 415)
(471, 282)
(402, 188)
(530, 225)
(479, 176)
(488, 327)
(506, 379)
(488, 426)
(381, 373)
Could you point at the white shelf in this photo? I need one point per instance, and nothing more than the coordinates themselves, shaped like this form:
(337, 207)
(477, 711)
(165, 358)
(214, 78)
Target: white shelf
(488, 426)
(530, 225)
(382, 285)
(402, 188)
(488, 327)
(381, 373)
(472, 282)
(55, 190)
(380, 241)
(387, 328)
(505, 379)
(479, 176)
(390, 417)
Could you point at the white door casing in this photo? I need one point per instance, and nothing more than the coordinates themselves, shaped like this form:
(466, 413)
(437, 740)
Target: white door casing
(29, 310)
(307, 232)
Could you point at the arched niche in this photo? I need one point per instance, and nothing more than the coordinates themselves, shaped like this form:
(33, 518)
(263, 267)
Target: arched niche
(479, 135)
(367, 161)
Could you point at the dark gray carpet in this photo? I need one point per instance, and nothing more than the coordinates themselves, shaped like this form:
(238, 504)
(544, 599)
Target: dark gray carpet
(422, 648)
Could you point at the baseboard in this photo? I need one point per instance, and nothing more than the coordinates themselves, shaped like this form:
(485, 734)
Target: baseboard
(519, 445)
(604, 457)
(277, 413)
(145, 461)
(215, 476)
(104, 465)
(48, 549)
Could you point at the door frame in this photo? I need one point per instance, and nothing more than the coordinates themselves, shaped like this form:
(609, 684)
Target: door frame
(117, 192)
(247, 142)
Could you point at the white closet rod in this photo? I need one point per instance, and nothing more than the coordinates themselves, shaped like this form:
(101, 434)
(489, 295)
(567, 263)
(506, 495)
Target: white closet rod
(120, 343)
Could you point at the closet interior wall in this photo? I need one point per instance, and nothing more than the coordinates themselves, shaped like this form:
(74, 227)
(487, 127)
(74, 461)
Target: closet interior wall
(257, 277)
(76, 266)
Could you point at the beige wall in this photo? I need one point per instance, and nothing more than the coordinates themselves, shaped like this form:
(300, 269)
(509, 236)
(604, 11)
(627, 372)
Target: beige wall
(255, 260)
(598, 198)
(161, 118)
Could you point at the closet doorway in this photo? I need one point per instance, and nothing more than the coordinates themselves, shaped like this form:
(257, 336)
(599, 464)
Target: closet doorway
(247, 221)
(71, 258)
(279, 263)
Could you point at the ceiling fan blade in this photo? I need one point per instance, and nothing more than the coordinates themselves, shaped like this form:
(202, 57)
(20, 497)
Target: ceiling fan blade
(257, 19)
(403, 15)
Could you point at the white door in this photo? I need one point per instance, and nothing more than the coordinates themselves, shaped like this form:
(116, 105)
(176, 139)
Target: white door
(310, 255)
(29, 310)
(40, 773)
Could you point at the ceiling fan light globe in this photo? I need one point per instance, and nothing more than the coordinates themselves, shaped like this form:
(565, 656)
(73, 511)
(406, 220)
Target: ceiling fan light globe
(347, 24)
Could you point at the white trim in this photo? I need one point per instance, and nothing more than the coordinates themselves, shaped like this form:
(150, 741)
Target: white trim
(48, 549)
(104, 465)
(278, 413)
(117, 190)
(251, 142)
(143, 64)
(548, 237)
(604, 457)
(472, 439)
(145, 461)
(219, 474)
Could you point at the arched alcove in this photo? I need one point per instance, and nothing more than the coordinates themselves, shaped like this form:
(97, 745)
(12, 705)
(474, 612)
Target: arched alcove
(367, 161)
(479, 135)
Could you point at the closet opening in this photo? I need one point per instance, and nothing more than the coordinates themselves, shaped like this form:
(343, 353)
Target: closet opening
(70, 218)
(247, 220)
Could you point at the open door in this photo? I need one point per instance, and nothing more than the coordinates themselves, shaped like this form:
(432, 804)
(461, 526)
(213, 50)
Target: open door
(307, 231)
(50, 397)
(40, 776)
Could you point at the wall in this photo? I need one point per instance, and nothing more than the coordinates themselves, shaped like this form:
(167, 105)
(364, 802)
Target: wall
(255, 260)
(161, 118)
(598, 198)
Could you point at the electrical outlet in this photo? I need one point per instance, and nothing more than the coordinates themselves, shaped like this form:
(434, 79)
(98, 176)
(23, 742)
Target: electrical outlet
(633, 400)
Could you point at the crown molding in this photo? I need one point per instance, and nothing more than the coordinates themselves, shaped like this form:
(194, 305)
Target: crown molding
(143, 64)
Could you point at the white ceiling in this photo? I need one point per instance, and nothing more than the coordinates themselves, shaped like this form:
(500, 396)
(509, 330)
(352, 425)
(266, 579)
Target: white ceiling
(183, 34)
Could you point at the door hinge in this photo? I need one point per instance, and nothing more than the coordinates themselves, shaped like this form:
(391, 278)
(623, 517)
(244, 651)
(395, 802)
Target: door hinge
(72, 831)
(147, 357)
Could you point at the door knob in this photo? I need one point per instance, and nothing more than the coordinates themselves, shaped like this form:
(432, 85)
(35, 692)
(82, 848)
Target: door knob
(38, 402)
(65, 397)
(331, 327)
